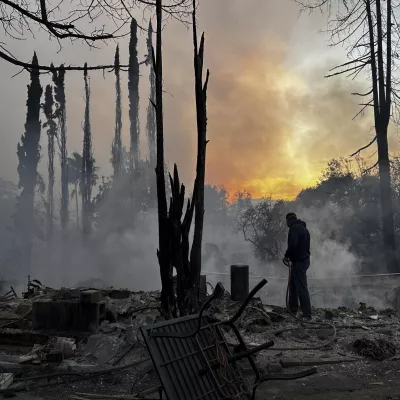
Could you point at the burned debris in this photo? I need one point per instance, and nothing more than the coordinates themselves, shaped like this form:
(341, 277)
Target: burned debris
(379, 349)
(192, 355)
(128, 350)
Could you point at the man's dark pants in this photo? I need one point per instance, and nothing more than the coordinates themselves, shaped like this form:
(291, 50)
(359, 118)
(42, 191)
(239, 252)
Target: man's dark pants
(298, 289)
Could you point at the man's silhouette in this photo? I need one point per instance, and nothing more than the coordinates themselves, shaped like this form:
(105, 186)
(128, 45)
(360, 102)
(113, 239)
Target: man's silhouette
(298, 253)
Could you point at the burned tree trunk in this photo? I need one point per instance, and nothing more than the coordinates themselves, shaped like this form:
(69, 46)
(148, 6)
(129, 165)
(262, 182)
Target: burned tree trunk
(382, 92)
(385, 186)
(59, 91)
(116, 151)
(28, 151)
(198, 191)
(133, 94)
(87, 164)
(163, 254)
(180, 243)
(51, 134)
(174, 245)
(151, 119)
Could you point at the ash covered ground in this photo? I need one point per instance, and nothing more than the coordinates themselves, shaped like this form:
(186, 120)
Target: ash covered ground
(360, 361)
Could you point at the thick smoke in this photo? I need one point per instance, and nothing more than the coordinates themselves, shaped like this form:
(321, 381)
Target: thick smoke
(274, 121)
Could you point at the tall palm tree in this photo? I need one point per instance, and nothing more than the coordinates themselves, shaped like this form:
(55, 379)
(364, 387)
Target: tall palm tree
(75, 178)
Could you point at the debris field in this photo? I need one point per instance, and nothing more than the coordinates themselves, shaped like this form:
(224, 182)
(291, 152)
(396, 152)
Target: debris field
(86, 344)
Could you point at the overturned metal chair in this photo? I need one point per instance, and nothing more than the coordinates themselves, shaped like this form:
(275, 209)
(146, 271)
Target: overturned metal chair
(193, 359)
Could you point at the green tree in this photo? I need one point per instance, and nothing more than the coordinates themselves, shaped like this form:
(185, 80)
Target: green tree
(28, 151)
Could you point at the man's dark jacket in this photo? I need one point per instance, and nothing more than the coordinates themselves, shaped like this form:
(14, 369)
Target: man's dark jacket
(298, 242)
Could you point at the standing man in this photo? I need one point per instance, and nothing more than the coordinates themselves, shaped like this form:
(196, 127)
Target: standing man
(298, 253)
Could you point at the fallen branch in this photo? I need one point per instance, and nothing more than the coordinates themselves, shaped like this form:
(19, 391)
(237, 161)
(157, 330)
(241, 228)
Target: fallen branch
(138, 395)
(81, 377)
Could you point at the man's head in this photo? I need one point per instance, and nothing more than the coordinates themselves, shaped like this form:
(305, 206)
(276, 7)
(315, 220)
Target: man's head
(291, 218)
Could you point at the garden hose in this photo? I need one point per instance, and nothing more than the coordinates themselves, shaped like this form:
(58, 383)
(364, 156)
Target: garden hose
(333, 338)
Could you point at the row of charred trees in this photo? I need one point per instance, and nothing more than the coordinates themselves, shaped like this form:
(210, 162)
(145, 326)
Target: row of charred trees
(174, 219)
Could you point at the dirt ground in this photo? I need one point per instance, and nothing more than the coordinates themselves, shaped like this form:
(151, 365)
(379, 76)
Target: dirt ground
(359, 381)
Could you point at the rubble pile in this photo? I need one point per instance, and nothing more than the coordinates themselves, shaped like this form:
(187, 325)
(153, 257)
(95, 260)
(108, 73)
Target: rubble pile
(114, 359)
(379, 349)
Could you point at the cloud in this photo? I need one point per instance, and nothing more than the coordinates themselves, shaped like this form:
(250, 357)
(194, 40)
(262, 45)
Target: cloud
(272, 125)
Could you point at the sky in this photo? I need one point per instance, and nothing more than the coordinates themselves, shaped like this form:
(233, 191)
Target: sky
(274, 121)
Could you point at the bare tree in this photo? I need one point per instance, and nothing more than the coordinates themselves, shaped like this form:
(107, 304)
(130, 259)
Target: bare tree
(370, 30)
(201, 113)
(69, 20)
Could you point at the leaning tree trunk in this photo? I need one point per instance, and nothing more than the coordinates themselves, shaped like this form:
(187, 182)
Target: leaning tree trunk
(167, 295)
(382, 92)
(201, 111)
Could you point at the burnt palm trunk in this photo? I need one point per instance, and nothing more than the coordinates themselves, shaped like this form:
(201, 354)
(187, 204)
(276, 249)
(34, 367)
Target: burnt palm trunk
(51, 134)
(87, 164)
(167, 296)
(117, 142)
(28, 151)
(59, 91)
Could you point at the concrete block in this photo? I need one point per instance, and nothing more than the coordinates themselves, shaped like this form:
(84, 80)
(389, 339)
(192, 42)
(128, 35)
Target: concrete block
(203, 286)
(239, 282)
(91, 296)
(64, 316)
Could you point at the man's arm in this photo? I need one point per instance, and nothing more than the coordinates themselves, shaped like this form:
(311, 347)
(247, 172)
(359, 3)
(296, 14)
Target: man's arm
(293, 239)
